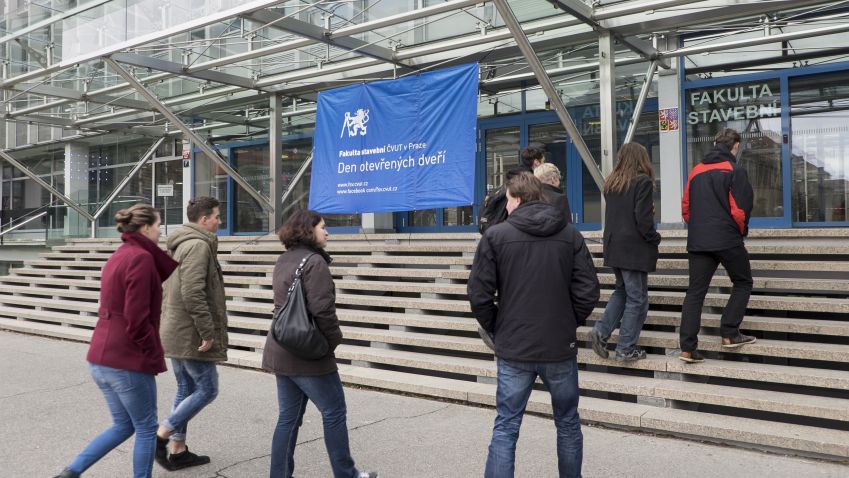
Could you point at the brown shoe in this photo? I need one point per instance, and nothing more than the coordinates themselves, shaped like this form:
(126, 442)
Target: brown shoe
(691, 357)
(738, 341)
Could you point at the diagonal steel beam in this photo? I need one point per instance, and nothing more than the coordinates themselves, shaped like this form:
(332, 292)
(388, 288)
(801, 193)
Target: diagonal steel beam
(641, 100)
(323, 35)
(43, 120)
(115, 192)
(70, 202)
(544, 81)
(69, 94)
(195, 138)
(178, 69)
(586, 14)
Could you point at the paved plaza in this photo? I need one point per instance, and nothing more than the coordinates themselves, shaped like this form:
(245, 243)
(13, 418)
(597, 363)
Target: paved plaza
(51, 408)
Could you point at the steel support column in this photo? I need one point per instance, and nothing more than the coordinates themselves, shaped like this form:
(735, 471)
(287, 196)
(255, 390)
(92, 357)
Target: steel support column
(275, 153)
(607, 101)
(71, 203)
(195, 138)
(539, 71)
(115, 192)
(641, 100)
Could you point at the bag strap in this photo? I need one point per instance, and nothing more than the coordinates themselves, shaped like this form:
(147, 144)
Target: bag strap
(299, 271)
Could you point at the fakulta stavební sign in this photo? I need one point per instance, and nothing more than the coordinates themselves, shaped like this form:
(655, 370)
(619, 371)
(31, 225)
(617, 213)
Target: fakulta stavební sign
(732, 103)
(396, 145)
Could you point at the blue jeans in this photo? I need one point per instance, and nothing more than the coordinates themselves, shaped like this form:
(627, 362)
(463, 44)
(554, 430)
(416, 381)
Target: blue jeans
(325, 391)
(626, 309)
(515, 382)
(131, 397)
(197, 387)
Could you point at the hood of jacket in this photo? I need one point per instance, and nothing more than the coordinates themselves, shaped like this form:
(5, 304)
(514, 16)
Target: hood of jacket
(191, 231)
(718, 154)
(537, 219)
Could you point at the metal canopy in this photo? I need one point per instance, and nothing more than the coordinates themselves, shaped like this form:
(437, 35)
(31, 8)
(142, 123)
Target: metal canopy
(268, 62)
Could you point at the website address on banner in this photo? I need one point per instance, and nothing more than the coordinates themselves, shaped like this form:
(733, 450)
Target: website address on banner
(367, 190)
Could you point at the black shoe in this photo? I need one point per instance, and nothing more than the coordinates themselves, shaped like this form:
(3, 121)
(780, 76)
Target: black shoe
(691, 357)
(599, 345)
(66, 473)
(631, 356)
(488, 339)
(738, 341)
(161, 454)
(186, 459)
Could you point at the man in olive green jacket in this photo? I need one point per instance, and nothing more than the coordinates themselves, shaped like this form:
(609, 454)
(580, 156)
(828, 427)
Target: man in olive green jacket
(193, 328)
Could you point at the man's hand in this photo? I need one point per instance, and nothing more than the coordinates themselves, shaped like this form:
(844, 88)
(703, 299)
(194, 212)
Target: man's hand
(205, 345)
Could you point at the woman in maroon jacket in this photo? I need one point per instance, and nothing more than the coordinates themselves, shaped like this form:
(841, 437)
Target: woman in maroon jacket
(125, 352)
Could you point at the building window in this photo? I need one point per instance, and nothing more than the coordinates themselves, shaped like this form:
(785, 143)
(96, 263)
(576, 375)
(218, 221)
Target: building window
(819, 147)
(754, 110)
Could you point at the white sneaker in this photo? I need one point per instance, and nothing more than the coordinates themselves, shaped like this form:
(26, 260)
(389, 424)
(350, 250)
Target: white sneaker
(368, 474)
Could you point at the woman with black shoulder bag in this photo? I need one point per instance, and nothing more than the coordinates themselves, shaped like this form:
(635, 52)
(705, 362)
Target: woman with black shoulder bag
(311, 374)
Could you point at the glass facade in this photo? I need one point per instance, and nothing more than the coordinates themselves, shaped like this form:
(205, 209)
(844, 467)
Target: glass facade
(786, 99)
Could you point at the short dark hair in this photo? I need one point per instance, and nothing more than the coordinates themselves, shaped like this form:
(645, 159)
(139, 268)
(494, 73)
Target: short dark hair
(534, 151)
(298, 230)
(728, 137)
(134, 217)
(526, 187)
(200, 207)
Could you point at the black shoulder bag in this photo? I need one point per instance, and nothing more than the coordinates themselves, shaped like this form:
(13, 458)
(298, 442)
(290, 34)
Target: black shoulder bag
(293, 327)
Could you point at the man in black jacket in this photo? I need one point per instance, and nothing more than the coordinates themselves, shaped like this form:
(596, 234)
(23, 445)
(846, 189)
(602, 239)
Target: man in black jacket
(717, 205)
(546, 284)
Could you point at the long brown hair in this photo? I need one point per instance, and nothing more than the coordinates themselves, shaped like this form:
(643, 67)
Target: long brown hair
(633, 159)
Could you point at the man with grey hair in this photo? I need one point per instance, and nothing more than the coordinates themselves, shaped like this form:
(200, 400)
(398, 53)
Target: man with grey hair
(549, 175)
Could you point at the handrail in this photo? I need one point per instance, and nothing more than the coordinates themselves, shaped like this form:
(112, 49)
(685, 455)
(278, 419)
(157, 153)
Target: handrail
(19, 225)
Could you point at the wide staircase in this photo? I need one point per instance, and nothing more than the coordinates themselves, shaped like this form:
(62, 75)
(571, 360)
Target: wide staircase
(408, 328)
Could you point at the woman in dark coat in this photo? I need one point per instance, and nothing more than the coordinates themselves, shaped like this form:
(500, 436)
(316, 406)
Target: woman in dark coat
(125, 352)
(630, 249)
(300, 380)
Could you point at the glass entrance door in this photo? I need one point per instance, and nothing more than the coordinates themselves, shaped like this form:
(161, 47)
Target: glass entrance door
(819, 155)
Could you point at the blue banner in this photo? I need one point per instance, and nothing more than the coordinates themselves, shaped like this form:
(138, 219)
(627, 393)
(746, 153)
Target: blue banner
(396, 145)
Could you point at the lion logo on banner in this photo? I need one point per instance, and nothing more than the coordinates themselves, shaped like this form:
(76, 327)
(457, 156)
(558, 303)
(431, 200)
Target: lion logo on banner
(355, 124)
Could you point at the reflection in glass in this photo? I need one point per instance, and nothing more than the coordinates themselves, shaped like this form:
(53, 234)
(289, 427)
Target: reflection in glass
(820, 147)
(753, 109)
(502, 154)
(211, 180)
(252, 163)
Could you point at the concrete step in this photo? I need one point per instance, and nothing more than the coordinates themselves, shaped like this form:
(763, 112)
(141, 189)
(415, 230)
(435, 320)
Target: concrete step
(47, 330)
(29, 271)
(725, 429)
(758, 265)
(783, 374)
(668, 389)
(371, 258)
(30, 286)
(53, 292)
(19, 279)
(770, 348)
(787, 248)
(751, 322)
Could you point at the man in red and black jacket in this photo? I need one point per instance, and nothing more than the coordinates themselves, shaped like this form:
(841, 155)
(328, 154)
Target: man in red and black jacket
(717, 205)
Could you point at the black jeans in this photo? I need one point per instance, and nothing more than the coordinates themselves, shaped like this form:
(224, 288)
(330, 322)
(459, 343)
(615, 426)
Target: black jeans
(702, 267)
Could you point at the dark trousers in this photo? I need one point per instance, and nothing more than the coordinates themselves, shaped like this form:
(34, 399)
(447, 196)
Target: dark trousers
(702, 267)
